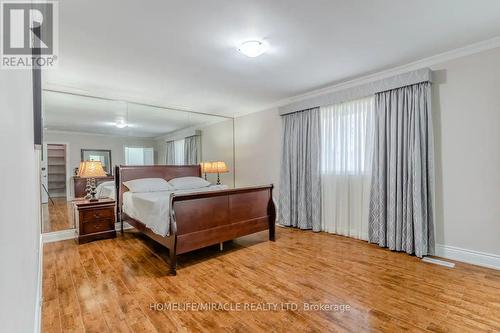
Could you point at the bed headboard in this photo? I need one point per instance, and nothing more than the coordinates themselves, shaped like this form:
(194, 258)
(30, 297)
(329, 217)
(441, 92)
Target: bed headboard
(124, 173)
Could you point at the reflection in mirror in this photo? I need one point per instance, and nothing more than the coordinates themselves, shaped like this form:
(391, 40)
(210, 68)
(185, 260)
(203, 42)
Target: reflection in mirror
(79, 128)
(100, 155)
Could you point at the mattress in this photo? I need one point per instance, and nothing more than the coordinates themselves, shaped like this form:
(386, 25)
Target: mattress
(152, 208)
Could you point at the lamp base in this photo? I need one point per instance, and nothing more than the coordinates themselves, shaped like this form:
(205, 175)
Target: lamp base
(91, 190)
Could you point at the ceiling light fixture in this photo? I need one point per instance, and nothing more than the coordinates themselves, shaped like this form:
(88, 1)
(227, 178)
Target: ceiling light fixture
(252, 48)
(121, 123)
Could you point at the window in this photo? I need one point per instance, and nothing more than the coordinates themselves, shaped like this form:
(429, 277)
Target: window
(346, 150)
(179, 152)
(345, 137)
(96, 158)
(139, 156)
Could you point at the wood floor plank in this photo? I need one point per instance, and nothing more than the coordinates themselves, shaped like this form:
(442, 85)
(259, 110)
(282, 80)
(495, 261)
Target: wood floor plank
(131, 277)
(114, 285)
(90, 308)
(69, 308)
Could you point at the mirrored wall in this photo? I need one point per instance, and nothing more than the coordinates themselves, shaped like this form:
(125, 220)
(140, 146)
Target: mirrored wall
(79, 128)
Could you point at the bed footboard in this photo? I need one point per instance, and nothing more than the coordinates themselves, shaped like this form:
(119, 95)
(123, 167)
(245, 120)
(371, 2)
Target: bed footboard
(207, 218)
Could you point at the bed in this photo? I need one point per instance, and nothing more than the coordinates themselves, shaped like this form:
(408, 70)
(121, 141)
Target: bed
(184, 221)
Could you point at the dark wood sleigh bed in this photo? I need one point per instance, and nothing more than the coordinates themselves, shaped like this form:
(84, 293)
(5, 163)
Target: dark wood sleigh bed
(202, 219)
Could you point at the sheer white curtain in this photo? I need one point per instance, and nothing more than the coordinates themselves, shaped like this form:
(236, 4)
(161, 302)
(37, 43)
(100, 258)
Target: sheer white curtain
(346, 150)
(179, 152)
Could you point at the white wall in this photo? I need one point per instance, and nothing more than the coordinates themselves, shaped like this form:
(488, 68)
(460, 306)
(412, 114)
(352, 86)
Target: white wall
(258, 149)
(77, 141)
(217, 145)
(19, 205)
(466, 107)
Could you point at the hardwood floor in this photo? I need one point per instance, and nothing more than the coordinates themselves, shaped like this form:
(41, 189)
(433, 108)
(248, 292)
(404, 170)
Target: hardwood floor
(57, 216)
(112, 286)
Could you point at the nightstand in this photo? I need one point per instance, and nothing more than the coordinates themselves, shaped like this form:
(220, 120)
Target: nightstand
(94, 219)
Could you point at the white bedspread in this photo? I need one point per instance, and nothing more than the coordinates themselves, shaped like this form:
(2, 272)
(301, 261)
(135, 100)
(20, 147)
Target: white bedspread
(152, 208)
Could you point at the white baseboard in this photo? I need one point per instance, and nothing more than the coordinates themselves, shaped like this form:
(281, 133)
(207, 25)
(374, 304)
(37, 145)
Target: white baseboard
(488, 260)
(125, 226)
(57, 236)
(440, 262)
(39, 290)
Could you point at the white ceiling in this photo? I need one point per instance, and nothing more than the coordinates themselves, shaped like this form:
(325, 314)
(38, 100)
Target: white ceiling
(66, 112)
(183, 53)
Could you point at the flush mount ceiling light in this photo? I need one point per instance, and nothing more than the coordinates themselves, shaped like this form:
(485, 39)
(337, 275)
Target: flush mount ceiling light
(121, 123)
(252, 48)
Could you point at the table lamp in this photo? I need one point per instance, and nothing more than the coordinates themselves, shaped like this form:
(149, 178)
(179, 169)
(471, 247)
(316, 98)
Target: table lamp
(219, 167)
(206, 167)
(91, 170)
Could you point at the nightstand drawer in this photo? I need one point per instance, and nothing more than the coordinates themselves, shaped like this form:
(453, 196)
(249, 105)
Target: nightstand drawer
(98, 226)
(97, 214)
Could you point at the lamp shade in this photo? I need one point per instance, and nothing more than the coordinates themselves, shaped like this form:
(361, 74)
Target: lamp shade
(206, 167)
(219, 167)
(91, 169)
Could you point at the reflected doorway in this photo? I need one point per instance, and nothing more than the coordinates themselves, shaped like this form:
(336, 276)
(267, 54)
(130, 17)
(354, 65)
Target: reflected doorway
(56, 210)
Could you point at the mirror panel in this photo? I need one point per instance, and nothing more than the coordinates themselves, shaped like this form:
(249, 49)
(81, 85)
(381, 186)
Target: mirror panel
(135, 134)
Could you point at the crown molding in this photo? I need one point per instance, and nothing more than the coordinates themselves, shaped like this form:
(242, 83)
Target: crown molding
(111, 95)
(457, 53)
(49, 131)
(119, 96)
(425, 62)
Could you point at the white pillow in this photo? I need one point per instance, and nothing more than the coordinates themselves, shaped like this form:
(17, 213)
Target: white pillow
(188, 183)
(148, 185)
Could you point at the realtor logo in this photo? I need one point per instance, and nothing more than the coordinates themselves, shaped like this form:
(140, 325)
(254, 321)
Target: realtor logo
(29, 34)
